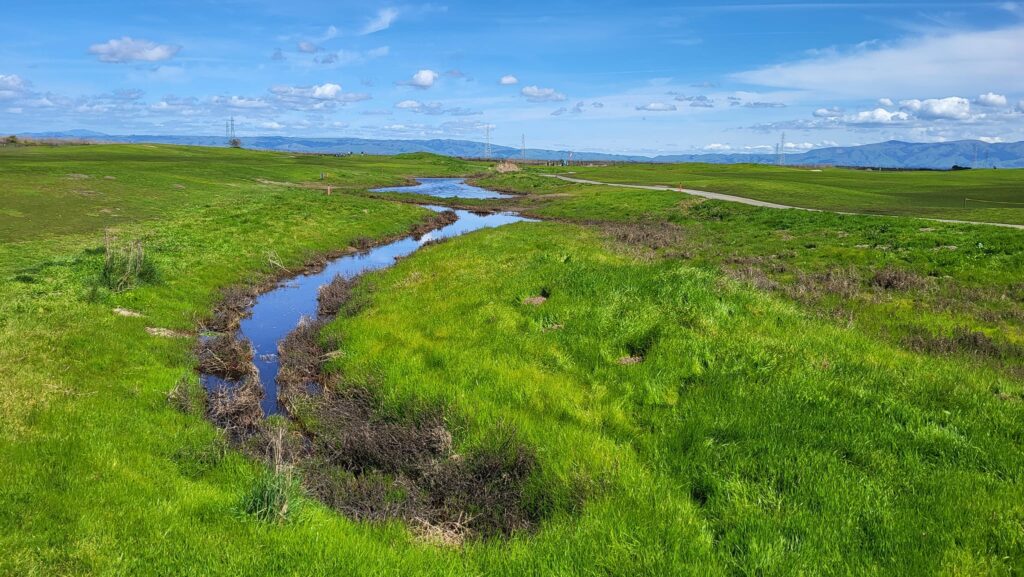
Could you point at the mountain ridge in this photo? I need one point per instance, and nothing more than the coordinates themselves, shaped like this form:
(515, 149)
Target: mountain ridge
(889, 154)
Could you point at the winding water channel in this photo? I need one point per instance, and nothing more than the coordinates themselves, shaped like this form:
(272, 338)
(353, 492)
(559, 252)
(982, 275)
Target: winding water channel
(278, 311)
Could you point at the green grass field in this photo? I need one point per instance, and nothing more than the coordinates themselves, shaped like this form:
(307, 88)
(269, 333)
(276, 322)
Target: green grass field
(818, 394)
(992, 195)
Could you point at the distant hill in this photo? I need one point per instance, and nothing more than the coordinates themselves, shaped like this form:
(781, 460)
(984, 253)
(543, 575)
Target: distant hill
(892, 154)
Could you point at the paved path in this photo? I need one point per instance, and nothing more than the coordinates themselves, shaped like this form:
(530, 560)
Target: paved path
(753, 202)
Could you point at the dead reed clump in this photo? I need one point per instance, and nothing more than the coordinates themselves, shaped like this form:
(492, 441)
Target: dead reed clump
(300, 355)
(349, 434)
(897, 279)
(225, 356)
(651, 235)
(232, 308)
(436, 221)
(236, 409)
(333, 296)
(484, 493)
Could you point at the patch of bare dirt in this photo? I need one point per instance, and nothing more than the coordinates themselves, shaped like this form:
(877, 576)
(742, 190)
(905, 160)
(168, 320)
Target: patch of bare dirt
(167, 333)
(506, 167)
(127, 313)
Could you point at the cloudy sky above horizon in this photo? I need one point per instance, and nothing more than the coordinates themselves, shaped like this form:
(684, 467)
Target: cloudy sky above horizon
(654, 77)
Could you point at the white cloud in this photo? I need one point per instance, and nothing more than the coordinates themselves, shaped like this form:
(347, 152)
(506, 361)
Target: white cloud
(877, 116)
(382, 21)
(508, 80)
(951, 108)
(14, 110)
(886, 102)
(433, 108)
(657, 107)
(950, 63)
(240, 102)
(127, 49)
(423, 79)
(270, 125)
(716, 147)
(828, 113)
(12, 86)
(308, 47)
(992, 99)
(990, 139)
(538, 94)
(317, 97)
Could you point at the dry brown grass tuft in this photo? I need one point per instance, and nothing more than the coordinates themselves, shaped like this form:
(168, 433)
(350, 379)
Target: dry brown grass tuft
(333, 296)
(897, 279)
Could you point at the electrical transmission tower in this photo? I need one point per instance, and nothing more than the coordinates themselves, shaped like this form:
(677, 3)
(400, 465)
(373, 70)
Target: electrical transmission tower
(487, 141)
(781, 150)
(524, 148)
(229, 134)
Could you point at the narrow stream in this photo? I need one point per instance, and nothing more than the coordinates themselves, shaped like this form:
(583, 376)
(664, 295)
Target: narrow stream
(278, 311)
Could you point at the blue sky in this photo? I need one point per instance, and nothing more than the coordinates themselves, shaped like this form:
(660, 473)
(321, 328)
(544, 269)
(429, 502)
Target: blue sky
(643, 77)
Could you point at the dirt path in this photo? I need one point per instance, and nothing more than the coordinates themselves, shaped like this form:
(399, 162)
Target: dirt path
(761, 203)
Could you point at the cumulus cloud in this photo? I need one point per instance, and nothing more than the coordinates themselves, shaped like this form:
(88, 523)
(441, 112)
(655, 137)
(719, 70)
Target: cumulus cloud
(951, 108)
(877, 116)
(508, 80)
(317, 97)
(991, 99)
(270, 125)
(887, 102)
(657, 107)
(382, 21)
(308, 47)
(538, 94)
(717, 147)
(948, 63)
(128, 49)
(422, 79)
